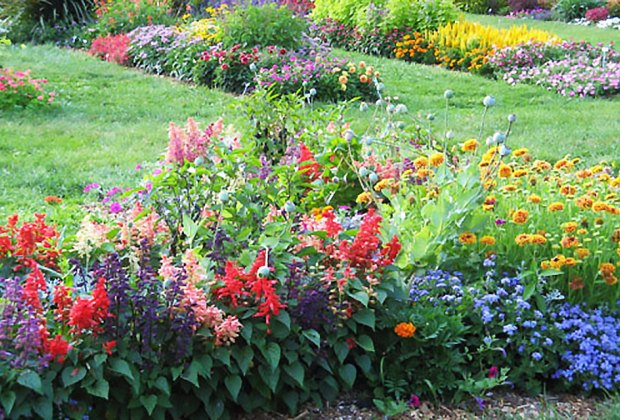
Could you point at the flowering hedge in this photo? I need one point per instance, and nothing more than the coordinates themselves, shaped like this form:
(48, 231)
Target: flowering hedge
(268, 270)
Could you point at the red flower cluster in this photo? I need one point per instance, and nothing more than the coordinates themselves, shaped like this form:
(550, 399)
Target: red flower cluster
(32, 242)
(112, 48)
(89, 314)
(239, 285)
(309, 167)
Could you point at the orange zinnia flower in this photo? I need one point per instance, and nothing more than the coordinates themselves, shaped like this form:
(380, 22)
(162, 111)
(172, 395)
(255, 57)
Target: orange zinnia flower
(405, 329)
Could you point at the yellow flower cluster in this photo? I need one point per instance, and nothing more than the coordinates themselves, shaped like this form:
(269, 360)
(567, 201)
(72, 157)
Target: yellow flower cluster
(364, 73)
(205, 29)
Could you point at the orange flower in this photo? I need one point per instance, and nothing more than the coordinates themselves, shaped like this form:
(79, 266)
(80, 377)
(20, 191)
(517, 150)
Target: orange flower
(568, 190)
(519, 173)
(520, 216)
(522, 239)
(576, 283)
(52, 199)
(405, 329)
(583, 174)
(470, 145)
(534, 199)
(364, 198)
(584, 202)
(611, 280)
(558, 261)
(487, 240)
(519, 152)
(557, 206)
(599, 206)
(569, 242)
(363, 78)
(421, 162)
(509, 188)
(615, 237)
(582, 252)
(607, 269)
(437, 159)
(505, 171)
(570, 262)
(542, 165)
(570, 227)
(467, 238)
(538, 239)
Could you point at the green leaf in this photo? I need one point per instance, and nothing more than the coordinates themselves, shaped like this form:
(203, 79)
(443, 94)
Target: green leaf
(270, 377)
(291, 399)
(529, 290)
(296, 371)
(190, 228)
(364, 362)
(243, 356)
(233, 384)
(44, 408)
(100, 389)
(366, 343)
(342, 351)
(163, 385)
(191, 374)
(71, 375)
(176, 372)
(121, 367)
(30, 379)
(348, 373)
(7, 399)
(149, 402)
(285, 319)
(272, 353)
(366, 317)
(313, 336)
(216, 409)
(100, 359)
(361, 297)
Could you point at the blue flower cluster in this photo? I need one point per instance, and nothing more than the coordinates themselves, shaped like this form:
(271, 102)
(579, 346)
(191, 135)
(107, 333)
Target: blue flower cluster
(592, 336)
(438, 287)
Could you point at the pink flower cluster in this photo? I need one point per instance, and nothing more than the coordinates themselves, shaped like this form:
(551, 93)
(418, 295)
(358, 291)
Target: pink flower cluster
(191, 143)
(19, 88)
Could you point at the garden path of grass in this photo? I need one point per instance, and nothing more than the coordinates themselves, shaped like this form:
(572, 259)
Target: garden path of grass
(117, 117)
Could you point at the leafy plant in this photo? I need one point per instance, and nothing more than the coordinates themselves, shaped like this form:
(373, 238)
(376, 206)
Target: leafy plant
(573, 9)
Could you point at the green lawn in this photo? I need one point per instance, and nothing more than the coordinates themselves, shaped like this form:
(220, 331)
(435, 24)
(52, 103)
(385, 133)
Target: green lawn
(115, 117)
(576, 32)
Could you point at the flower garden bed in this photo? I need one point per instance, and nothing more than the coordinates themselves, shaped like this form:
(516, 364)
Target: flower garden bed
(280, 268)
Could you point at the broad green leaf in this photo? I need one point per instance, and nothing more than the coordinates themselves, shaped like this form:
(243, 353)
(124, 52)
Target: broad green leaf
(233, 384)
(7, 399)
(163, 385)
(191, 374)
(215, 409)
(71, 375)
(44, 408)
(243, 355)
(342, 351)
(361, 297)
(30, 379)
(149, 402)
(295, 371)
(366, 317)
(100, 389)
(348, 373)
(366, 343)
(313, 336)
(272, 353)
(121, 367)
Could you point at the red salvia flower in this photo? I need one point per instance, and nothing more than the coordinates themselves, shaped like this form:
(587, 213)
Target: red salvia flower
(109, 346)
(57, 348)
(82, 315)
(309, 166)
(63, 302)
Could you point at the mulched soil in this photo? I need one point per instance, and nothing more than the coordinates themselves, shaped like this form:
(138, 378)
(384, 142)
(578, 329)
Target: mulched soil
(499, 406)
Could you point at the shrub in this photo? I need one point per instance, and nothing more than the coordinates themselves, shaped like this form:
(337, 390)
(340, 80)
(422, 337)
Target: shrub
(482, 6)
(122, 16)
(262, 26)
(19, 90)
(347, 12)
(112, 48)
(574, 9)
(422, 15)
(614, 8)
(518, 5)
(597, 14)
(149, 45)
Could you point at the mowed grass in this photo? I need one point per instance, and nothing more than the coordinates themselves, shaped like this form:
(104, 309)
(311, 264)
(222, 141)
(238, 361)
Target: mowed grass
(565, 31)
(114, 118)
(548, 124)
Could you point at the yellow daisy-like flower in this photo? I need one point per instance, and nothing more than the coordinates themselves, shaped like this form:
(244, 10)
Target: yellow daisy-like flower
(519, 173)
(520, 152)
(421, 162)
(569, 242)
(520, 216)
(538, 239)
(343, 80)
(599, 206)
(542, 165)
(604, 178)
(582, 253)
(487, 240)
(596, 169)
(364, 198)
(607, 268)
(467, 238)
(557, 206)
(570, 227)
(470, 145)
(437, 159)
(615, 236)
(558, 261)
(363, 78)
(534, 199)
(505, 171)
(423, 173)
(570, 262)
(611, 280)
(405, 329)
(583, 174)
(509, 188)
(384, 183)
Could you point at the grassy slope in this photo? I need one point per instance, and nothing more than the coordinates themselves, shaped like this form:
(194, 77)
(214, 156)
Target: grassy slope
(578, 33)
(117, 117)
(114, 119)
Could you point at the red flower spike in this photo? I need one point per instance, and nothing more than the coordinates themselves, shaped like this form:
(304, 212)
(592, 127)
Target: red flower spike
(309, 166)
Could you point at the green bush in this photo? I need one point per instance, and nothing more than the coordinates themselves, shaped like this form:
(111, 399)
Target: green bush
(420, 15)
(347, 12)
(263, 25)
(481, 6)
(574, 9)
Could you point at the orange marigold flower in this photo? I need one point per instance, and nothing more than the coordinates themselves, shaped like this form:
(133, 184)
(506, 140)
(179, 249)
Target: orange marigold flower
(582, 231)
(534, 199)
(583, 174)
(599, 206)
(542, 165)
(509, 188)
(570, 227)
(52, 199)
(405, 329)
(437, 159)
(363, 78)
(520, 152)
(364, 198)
(467, 238)
(520, 216)
(519, 173)
(505, 171)
(562, 163)
(568, 190)
(470, 145)
(584, 202)
(558, 261)
(421, 162)
(569, 242)
(607, 268)
(570, 262)
(423, 173)
(522, 239)
(611, 280)
(545, 265)
(487, 240)
(582, 252)
(538, 239)
(557, 206)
